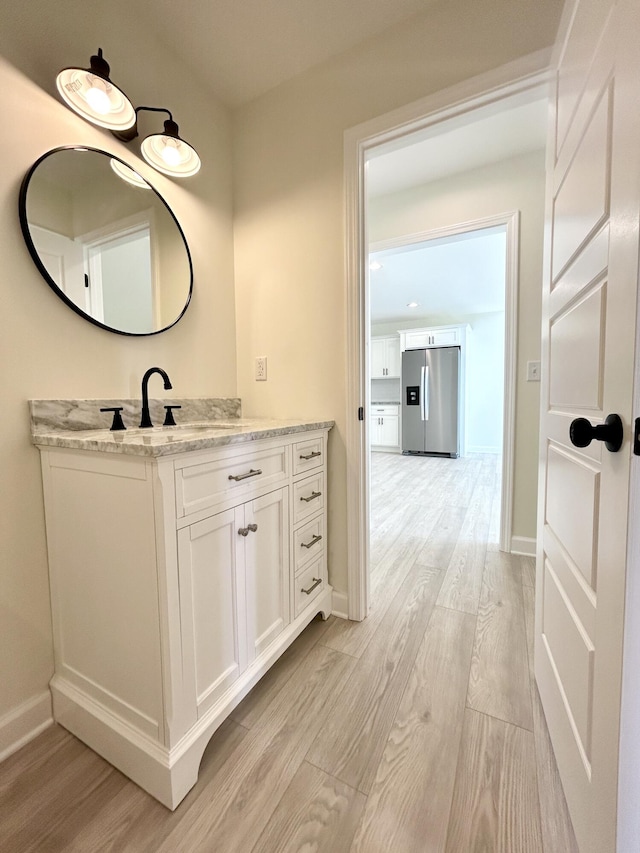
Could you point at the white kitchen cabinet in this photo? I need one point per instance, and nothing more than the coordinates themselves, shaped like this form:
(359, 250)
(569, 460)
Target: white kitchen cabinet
(385, 357)
(440, 336)
(174, 587)
(384, 427)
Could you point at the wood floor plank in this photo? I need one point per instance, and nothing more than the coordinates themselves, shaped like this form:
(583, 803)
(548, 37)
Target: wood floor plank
(25, 768)
(408, 806)
(528, 571)
(352, 638)
(440, 546)
(499, 682)
(352, 740)
(249, 787)
(557, 830)
(317, 812)
(463, 578)
(134, 822)
(44, 812)
(251, 709)
(495, 804)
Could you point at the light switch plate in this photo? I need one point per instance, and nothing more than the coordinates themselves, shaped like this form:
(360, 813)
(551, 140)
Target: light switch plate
(533, 371)
(261, 368)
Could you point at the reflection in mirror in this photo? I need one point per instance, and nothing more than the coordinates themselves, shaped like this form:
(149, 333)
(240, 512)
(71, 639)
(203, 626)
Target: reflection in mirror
(108, 246)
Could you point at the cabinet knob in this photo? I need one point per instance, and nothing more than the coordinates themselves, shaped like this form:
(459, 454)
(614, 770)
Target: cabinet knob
(243, 531)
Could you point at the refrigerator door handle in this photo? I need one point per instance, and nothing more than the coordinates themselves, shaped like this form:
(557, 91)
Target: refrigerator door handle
(424, 393)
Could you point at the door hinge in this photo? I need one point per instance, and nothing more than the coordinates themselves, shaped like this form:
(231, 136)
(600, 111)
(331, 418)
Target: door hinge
(636, 437)
(361, 413)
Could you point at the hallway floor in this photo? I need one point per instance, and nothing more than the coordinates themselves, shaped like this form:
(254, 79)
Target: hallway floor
(418, 730)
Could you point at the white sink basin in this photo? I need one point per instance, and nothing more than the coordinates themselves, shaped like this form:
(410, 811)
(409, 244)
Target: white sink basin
(179, 429)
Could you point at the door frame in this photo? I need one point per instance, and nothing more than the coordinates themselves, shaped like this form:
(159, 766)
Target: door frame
(511, 222)
(517, 77)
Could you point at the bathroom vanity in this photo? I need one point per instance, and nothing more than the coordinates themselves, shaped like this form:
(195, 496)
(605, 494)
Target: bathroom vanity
(183, 562)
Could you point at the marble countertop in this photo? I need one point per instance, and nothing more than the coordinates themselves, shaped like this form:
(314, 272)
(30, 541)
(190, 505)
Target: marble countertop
(166, 441)
(385, 402)
(203, 422)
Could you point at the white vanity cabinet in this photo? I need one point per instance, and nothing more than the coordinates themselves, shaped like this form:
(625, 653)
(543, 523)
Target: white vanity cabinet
(176, 582)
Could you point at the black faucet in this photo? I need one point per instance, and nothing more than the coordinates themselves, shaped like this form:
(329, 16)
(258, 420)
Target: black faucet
(146, 418)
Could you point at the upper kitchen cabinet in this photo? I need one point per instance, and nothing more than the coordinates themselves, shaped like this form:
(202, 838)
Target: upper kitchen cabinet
(385, 357)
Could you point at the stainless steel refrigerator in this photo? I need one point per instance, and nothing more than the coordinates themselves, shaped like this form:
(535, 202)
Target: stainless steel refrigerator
(430, 401)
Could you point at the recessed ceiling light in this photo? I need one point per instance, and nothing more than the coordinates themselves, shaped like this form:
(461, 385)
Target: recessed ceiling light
(413, 304)
(375, 266)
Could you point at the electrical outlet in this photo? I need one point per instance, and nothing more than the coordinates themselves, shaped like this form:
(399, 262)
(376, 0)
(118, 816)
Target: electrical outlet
(261, 368)
(533, 371)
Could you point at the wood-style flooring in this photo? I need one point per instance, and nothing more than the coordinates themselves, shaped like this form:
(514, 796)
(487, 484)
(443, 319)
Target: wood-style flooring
(418, 730)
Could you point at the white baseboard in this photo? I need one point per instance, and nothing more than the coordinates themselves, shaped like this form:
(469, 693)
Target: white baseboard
(23, 723)
(523, 545)
(480, 449)
(340, 604)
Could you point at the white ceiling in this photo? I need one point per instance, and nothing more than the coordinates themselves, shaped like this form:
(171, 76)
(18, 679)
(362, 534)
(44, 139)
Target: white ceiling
(450, 277)
(240, 49)
(243, 48)
(512, 127)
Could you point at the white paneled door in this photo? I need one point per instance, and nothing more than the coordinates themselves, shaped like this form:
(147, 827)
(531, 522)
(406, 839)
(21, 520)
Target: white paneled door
(589, 329)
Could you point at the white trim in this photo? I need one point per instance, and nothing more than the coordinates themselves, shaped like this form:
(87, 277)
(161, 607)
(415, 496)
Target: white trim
(24, 723)
(517, 77)
(471, 451)
(523, 545)
(339, 604)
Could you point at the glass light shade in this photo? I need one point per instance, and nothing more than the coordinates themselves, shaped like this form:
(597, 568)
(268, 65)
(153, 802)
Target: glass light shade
(129, 175)
(96, 99)
(170, 155)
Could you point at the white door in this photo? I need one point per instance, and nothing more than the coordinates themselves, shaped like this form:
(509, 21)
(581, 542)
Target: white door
(62, 258)
(589, 314)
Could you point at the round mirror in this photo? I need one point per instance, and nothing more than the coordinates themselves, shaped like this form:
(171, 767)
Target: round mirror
(106, 241)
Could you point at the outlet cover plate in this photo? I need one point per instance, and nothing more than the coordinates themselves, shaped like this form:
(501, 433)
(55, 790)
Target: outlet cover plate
(261, 368)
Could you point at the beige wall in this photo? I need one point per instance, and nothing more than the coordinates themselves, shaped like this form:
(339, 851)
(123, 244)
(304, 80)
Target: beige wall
(289, 229)
(49, 351)
(516, 184)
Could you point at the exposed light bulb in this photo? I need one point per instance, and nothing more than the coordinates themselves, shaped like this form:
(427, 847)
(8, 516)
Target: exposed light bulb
(98, 99)
(170, 153)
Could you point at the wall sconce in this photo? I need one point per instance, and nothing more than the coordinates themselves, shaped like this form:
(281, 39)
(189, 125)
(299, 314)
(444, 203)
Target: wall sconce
(91, 94)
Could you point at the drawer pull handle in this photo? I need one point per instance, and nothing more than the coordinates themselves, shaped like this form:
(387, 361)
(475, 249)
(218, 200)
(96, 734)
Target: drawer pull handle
(316, 582)
(313, 541)
(252, 473)
(311, 497)
(250, 528)
(313, 455)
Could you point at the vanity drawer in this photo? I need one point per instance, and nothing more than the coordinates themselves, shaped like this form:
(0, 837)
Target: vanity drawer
(308, 542)
(308, 496)
(309, 584)
(308, 455)
(205, 484)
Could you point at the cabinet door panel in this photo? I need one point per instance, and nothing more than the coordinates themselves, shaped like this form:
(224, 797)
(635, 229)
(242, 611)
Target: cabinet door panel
(211, 603)
(393, 356)
(389, 435)
(378, 358)
(267, 569)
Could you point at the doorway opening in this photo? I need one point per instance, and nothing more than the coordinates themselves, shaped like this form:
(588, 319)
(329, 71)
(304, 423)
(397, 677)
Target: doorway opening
(450, 143)
(442, 308)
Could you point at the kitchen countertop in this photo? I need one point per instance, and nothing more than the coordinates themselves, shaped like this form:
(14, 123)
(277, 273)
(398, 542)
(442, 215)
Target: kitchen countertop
(385, 402)
(79, 425)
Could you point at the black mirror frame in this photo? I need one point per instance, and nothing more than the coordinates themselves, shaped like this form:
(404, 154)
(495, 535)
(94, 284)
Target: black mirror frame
(24, 224)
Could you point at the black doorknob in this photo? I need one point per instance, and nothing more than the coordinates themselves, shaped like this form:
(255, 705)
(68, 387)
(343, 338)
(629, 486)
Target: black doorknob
(582, 433)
